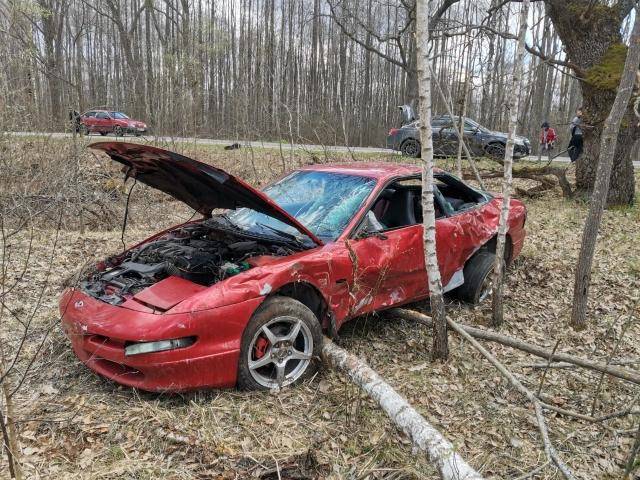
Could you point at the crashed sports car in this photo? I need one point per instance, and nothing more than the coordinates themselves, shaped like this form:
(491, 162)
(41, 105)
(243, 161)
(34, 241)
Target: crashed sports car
(242, 295)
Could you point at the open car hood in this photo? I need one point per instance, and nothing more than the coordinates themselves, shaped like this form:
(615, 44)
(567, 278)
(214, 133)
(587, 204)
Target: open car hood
(201, 186)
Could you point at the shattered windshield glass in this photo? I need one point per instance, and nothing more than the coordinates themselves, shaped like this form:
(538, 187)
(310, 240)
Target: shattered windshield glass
(323, 202)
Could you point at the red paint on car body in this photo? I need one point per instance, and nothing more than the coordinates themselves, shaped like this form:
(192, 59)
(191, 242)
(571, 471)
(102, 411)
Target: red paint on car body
(352, 276)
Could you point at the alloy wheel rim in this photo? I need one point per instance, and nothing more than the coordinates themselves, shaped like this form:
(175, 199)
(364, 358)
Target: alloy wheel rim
(280, 352)
(411, 148)
(496, 151)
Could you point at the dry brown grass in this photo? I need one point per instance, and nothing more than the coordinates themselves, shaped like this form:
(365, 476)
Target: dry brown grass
(77, 425)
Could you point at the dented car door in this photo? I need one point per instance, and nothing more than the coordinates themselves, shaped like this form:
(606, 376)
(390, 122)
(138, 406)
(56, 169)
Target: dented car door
(388, 268)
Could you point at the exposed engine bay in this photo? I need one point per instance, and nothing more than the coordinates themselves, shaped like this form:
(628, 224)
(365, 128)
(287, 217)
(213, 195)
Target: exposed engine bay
(204, 253)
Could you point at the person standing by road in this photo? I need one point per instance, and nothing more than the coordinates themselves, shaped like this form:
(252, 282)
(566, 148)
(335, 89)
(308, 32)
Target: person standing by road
(547, 137)
(576, 142)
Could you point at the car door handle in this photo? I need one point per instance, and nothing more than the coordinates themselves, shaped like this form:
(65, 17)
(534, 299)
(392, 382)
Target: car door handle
(341, 281)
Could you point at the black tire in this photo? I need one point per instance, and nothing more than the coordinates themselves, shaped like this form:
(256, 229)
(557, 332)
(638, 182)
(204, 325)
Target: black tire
(138, 134)
(271, 314)
(117, 131)
(411, 148)
(495, 150)
(477, 278)
(103, 133)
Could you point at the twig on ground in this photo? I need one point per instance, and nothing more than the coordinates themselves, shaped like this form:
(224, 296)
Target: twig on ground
(625, 326)
(625, 374)
(542, 425)
(544, 372)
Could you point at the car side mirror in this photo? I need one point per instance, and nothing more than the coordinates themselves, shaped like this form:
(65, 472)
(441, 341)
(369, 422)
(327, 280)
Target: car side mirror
(369, 229)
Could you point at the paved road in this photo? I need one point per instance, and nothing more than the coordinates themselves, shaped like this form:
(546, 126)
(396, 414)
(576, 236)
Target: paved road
(259, 144)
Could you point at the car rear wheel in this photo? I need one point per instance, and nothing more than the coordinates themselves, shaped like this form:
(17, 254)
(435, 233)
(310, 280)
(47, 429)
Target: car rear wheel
(84, 130)
(478, 278)
(117, 131)
(495, 150)
(103, 133)
(411, 148)
(279, 345)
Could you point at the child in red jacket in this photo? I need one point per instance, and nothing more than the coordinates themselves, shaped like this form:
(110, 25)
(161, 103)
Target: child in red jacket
(547, 137)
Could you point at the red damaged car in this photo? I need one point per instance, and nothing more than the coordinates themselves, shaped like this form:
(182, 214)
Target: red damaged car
(242, 297)
(110, 121)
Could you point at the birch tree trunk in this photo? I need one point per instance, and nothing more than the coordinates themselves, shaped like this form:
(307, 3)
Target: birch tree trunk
(514, 104)
(440, 452)
(440, 348)
(608, 144)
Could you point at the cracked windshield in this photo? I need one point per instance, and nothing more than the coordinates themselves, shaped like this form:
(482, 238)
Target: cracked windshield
(323, 202)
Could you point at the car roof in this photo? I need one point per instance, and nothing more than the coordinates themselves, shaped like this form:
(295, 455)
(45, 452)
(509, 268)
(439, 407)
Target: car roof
(377, 170)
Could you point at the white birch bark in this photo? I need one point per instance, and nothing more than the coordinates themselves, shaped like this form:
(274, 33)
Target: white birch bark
(440, 348)
(440, 452)
(513, 106)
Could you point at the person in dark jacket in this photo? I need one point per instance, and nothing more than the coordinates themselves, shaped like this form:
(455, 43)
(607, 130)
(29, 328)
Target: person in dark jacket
(577, 131)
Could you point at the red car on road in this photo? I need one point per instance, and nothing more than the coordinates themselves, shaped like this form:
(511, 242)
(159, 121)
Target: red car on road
(110, 121)
(242, 297)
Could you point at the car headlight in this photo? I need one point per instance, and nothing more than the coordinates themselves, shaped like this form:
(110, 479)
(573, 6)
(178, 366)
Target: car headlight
(158, 346)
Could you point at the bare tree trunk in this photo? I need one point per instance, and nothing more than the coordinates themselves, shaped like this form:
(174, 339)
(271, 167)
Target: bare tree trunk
(7, 421)
(514, 103)
(465, 95)
(440, 343)
(608, 145)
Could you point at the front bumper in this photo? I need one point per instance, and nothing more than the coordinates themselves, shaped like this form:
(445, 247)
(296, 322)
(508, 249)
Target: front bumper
(98, 333)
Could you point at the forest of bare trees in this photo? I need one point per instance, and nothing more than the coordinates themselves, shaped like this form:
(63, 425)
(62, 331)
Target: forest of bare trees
(322, 73)
(325, 71)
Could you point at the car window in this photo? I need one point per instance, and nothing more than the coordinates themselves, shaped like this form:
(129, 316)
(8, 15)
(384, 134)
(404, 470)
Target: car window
(324, 202)
(440, 123)
(102, 115)
(457, 194)
(90, 114)
(119, 115)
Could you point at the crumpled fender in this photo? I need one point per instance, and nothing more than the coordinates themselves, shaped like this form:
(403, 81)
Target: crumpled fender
(311, 266)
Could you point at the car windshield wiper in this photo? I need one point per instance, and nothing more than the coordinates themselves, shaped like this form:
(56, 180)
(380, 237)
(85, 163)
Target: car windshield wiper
(281, 233)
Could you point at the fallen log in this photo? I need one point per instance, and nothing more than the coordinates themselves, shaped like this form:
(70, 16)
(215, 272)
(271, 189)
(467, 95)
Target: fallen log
(624, 374)
(440, 452)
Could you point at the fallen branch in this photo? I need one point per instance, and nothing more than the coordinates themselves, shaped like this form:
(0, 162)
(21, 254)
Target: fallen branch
(624, 374)
(571, 365)
(542, 425)
(440, 452)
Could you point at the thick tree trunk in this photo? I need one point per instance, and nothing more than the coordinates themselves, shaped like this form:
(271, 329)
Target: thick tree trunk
(590, 32)
(513, 106)
(440, 345)
(607, 151)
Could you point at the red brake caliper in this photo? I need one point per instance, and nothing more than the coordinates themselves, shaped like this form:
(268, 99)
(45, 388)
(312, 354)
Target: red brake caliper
(260, 347)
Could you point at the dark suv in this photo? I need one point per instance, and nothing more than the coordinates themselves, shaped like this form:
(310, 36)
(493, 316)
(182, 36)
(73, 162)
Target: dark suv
(480, 140)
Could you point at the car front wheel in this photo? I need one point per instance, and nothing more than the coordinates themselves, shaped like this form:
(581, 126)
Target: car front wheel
(279, 345)
(411, 148)
(495, 150)
(478, 278)
(117, 131)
